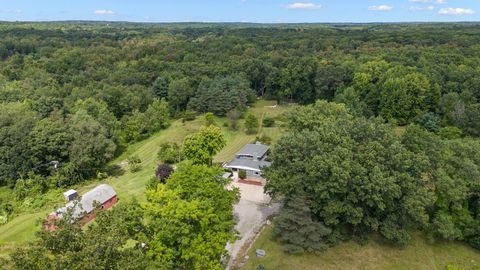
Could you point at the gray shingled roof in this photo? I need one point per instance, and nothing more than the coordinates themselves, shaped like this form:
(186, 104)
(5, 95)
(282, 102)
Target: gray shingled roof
(248, 164)
(254, 150)
(100, 194)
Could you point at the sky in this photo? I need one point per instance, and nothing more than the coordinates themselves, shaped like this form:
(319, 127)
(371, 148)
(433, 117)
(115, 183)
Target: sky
(256, 11)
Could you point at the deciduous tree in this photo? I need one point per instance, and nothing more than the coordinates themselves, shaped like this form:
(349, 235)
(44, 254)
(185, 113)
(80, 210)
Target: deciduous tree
(251, 124)
(192, 212)
(354, 173)
(201, 147)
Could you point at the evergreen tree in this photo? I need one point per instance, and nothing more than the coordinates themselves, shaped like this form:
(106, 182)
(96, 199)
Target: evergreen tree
(160, 87)
(297, 231)
(222, 95)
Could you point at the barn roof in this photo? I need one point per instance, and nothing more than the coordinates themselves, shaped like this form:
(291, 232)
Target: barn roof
(86, 204)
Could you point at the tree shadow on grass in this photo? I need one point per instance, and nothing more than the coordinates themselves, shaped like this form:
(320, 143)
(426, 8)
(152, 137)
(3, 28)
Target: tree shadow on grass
(115, 170)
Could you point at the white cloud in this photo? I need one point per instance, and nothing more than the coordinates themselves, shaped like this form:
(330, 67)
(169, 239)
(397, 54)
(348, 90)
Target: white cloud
(438, 2)
(415, 8)
(14, 11)
(103, 12)
(456, 11)
(299, 5)
(380, 8)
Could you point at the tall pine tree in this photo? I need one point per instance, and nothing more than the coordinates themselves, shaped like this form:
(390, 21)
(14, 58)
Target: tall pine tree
(297, 231)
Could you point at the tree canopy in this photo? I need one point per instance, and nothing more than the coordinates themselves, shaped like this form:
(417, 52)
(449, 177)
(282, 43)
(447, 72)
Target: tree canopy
(201, 147)
(353, 176)
(190, 219)
(354, 172)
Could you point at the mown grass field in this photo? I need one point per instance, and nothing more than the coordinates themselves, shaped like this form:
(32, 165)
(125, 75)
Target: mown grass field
(132, 185)
(419, 254)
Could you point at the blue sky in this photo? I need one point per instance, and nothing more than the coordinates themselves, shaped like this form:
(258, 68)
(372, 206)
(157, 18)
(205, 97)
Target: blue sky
(264, 11)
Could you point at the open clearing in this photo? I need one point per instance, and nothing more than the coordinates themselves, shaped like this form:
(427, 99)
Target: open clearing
(132, 185)
(420, 254)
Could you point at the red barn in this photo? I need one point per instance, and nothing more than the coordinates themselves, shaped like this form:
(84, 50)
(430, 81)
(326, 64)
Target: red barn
(103, 196)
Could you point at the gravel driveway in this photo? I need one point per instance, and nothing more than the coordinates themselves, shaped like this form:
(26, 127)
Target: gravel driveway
(251, 213)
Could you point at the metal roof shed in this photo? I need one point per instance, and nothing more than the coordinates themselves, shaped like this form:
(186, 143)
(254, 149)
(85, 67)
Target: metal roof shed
(86, 204)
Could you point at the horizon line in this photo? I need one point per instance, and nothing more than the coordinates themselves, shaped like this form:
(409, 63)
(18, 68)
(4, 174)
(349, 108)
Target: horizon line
(231, 22)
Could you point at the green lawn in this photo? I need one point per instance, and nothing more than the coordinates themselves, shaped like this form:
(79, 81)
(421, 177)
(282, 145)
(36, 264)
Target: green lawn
(419, 254)
(132, 185)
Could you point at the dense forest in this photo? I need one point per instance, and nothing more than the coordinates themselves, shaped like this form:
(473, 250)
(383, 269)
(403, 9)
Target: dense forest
(74, 95)
(346, 177)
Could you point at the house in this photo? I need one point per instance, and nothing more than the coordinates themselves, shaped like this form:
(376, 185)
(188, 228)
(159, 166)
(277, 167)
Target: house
(102, 196)
(252, 158)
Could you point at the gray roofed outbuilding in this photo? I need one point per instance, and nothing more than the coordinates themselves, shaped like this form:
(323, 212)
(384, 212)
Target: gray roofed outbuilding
(86, 204)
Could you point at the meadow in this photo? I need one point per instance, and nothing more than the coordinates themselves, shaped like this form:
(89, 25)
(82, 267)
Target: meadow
(419, 254)
(132, 185)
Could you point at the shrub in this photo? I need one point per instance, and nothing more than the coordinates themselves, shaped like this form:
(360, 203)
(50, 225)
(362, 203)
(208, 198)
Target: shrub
(32, 185)
(115, 170)
(169, 153)
(251, 124)
(264, 139)
(209, 119)
(189, 116)
(163, 172)
(152, 183)
(6, 208)
(134, 163)
(450, 133)
(233, 116)
(102, 175)
(3, 219)
(268, 122)
(242, 174)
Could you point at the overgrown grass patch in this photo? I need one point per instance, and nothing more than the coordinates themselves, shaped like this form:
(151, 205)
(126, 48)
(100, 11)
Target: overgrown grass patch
(419, 254)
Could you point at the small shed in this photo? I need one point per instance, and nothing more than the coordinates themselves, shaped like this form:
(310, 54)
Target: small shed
(70, 195)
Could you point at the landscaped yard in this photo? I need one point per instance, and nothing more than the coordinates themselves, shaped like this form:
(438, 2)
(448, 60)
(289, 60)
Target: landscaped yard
(132, 185)
(419, 254)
